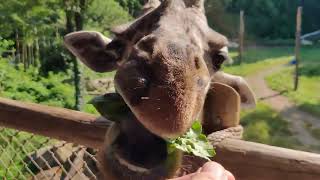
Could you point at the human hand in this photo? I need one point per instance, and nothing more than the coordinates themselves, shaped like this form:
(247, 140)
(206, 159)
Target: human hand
(209, 171)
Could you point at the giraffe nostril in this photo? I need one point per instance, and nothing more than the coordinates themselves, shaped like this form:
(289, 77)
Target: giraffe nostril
(139, 88)
(197, 63)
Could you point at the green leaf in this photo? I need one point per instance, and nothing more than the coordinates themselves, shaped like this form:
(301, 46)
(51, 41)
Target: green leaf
(196, 127)
(193, 142)
(111, 106)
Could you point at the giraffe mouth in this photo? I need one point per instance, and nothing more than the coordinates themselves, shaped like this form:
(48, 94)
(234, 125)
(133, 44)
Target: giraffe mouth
(138, 147)
(136, 152)
(131, 150)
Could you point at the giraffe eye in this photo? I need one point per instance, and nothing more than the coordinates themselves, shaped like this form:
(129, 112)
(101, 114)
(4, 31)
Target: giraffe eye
(218, 58)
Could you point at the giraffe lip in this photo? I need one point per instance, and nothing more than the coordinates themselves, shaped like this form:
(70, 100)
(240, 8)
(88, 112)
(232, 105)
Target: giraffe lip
(156, 165)
(138, 149)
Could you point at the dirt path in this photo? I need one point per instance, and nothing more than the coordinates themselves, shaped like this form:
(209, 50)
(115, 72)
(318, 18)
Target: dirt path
(285, 107)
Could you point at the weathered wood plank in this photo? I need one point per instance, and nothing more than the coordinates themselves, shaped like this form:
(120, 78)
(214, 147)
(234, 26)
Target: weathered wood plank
(62, 124)
(251, 161)
(247, 160)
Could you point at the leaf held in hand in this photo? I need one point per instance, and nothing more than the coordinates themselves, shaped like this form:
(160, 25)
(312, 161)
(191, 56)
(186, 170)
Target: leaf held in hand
(193, 142)
(110, 106)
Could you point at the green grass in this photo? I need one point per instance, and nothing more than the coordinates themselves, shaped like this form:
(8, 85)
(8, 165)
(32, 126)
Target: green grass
(307, 97)
(316, 133)
(257, 59)
(264, 125)
(253, 68)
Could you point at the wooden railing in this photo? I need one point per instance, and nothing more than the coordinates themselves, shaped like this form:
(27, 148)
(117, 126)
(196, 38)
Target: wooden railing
(247, 160)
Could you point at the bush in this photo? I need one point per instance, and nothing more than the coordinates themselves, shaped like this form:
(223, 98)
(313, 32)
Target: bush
(28, 86)
(54, 57)
(5, 45)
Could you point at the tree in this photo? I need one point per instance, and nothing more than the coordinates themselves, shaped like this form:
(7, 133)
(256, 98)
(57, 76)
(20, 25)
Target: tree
(37, 26)
(102, 15)
(26, 21)
(272, 19)
(132, 6)
(74, 10)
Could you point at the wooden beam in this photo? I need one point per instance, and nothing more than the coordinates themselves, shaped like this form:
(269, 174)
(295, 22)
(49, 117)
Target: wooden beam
(71, 126)
(246, 160)
(251, 161)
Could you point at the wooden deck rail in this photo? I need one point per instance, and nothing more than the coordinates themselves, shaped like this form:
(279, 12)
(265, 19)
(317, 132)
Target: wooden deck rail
(58, 123)
(247, 160)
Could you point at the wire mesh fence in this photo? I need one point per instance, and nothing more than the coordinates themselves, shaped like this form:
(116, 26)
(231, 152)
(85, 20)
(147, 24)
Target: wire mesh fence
(28, 156)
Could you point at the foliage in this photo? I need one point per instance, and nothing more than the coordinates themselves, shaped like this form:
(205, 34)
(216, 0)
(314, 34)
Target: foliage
(264, 125)
(5, 45)
(193, 142)
(272, 19)
(102, 15)
(132, 6)
(29, 18)
(55, 57)
(28, 86)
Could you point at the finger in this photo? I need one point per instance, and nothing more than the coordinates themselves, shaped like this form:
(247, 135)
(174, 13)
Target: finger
(186, 177)
(214, 168)
(204, 176)
(230, 175)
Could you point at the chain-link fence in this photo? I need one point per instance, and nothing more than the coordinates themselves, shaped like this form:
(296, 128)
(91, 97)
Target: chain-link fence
(28, 156)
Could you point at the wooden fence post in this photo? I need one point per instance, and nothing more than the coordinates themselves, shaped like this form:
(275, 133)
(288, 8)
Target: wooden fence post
(241, 36)
(298, 47)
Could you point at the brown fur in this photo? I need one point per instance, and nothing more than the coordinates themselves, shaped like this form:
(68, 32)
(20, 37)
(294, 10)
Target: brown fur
(166, 61)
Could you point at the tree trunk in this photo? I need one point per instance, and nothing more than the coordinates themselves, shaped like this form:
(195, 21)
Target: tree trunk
(78, 19)
(30, 61)
(69, 24)
(24, 56)
(32, 55)
(79, 15)
(18, 57)
(37, 54)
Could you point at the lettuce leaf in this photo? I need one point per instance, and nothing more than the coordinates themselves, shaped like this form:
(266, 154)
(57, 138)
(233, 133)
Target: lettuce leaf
(193, 142)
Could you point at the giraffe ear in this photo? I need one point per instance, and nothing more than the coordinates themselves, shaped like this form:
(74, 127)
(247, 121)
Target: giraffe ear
(247, 96)
(94, 50)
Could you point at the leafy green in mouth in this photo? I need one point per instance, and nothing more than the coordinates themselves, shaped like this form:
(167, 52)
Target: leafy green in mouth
(193, 142)
(113, 107)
